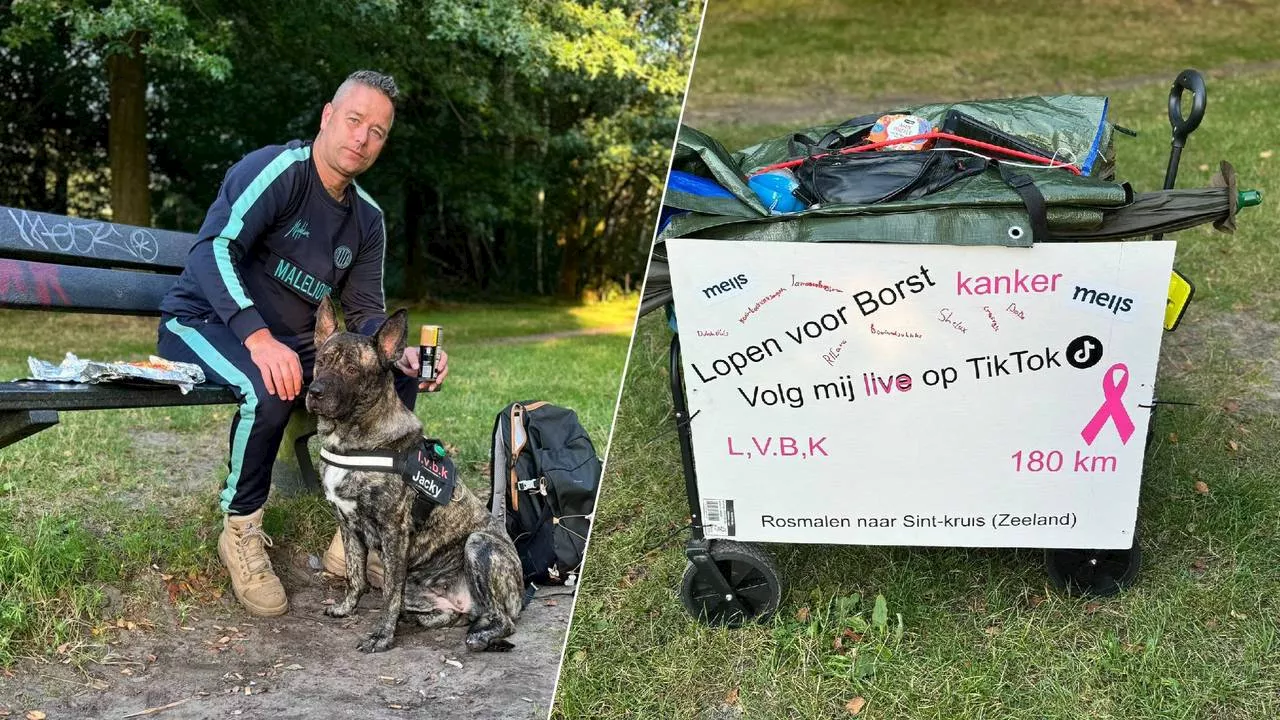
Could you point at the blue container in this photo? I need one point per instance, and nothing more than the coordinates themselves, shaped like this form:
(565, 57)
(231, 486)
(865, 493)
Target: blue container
(776, 189)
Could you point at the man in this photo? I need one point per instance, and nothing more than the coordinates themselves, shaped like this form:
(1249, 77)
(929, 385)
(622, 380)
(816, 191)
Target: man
(289, 226)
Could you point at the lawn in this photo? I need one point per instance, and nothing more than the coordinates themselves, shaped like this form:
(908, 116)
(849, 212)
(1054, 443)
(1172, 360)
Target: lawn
(108, 511)
(977, 633)
(828, 54)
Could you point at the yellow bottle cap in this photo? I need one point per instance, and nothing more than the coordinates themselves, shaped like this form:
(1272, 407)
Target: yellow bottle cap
(430, 335)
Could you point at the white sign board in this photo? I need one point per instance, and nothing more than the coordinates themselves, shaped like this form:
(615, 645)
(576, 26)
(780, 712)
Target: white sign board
(890, 394)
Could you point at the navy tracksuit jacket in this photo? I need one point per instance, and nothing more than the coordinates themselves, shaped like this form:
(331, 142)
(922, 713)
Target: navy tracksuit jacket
(273, 244)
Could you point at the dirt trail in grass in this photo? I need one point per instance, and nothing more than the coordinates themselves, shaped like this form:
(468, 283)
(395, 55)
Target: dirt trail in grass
(825, 105)
(543, 337)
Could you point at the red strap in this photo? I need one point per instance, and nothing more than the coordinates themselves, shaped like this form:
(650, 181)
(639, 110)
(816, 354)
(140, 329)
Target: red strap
(935, 135)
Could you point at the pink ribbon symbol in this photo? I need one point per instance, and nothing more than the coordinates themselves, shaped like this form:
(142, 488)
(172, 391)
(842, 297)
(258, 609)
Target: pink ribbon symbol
(1112, 407)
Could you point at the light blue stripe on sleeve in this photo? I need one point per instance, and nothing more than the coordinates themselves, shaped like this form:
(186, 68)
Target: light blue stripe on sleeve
(235, 223)
(383, 217)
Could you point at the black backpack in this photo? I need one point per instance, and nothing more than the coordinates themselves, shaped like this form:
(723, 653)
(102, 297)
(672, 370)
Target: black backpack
(545, 473)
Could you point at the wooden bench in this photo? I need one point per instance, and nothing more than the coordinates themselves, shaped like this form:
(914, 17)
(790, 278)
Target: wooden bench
(55, 263)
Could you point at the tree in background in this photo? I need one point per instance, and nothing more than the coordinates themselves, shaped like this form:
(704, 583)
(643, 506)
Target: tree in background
(528, 150)
(123, 36)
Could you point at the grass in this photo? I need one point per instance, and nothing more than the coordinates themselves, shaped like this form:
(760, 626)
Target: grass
(756, 52)
(114, 504)
(982, 636)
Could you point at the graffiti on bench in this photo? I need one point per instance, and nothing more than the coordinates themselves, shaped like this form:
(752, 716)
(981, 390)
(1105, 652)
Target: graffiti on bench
(31, 280)
(92, 238)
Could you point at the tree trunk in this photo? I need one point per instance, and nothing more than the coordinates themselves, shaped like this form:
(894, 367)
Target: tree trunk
(570, 267)
(127, 136)
(61, 181)
(38, 176)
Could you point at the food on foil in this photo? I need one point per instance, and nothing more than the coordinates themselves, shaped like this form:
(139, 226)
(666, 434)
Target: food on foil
(155, 369)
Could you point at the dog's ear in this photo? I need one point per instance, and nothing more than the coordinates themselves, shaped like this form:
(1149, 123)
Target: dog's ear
(326, 321)
(391, 336)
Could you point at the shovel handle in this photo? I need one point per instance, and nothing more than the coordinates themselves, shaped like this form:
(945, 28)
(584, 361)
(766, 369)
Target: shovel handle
(1188, 81)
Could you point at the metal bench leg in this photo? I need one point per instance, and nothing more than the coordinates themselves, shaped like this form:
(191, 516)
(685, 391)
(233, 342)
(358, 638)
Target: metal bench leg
(18, 424)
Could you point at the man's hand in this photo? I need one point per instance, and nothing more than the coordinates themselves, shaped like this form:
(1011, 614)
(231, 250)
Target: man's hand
(280, 368)
(409, 364)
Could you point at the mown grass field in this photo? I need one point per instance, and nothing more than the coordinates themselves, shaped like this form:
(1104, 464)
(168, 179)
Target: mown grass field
(100, 514)
(977, 633)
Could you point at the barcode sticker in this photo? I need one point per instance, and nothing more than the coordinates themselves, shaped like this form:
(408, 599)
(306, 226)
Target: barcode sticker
(717, 518)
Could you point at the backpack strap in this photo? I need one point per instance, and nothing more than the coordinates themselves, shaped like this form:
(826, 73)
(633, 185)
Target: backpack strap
(516, 440)
(1032, 198)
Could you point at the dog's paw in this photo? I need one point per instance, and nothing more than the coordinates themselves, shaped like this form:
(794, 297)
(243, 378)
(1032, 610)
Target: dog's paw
(477, 643)
(377, 642)
(339, 611)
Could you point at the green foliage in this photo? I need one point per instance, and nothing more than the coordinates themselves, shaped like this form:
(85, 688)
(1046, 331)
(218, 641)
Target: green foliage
(165, 31)
(529, 145)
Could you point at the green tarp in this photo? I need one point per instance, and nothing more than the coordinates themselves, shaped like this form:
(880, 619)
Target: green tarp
(977, 210)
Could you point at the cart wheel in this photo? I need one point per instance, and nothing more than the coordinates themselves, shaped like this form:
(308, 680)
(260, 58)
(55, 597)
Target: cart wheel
(749, 571)
(1093, 572)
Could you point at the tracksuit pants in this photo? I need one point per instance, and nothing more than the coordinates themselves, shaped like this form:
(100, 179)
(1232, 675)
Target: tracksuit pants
(259, 424)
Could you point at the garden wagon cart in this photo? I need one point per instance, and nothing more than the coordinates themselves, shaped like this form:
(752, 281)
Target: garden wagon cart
(761, 414)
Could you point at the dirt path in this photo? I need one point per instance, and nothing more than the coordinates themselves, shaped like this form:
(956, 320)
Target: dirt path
(605, 330)
(226, 664)
(824, 105)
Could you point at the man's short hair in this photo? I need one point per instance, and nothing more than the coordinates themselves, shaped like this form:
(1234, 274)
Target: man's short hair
(384, 84)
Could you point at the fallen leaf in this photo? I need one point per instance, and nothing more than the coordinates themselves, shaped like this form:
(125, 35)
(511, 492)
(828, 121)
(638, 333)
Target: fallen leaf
(1173, 438)
(1233, 445)
(35, 715)
(1036, 600)
(453, 663)
(1204, 168)
(1239, 616)
(731, 698)
(1198, 566)
(1202, 487)
(1093, 607)
(849, 634)
(802, 615)
(1211, 623)
(294, 666)
(62, 649)
(837, 645)
(1265, 154)
(1231, 406)
(855, 705)
(992, 630)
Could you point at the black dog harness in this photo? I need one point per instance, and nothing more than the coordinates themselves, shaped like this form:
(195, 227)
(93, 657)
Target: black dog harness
(426, 468)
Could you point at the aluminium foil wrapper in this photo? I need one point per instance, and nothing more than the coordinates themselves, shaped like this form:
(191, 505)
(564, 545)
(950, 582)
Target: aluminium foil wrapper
(155, 370)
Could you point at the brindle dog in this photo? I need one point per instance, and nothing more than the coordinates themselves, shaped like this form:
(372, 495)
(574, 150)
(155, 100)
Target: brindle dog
(451, 565)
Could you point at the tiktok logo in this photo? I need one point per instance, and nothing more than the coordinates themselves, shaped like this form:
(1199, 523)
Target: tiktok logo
(1084, 352)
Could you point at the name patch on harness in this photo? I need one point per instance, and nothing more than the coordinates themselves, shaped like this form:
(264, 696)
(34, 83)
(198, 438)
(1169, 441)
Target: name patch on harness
(430, 472)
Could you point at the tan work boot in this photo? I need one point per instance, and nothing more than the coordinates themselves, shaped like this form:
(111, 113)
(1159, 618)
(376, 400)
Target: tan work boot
(335, 562)
(243, 549)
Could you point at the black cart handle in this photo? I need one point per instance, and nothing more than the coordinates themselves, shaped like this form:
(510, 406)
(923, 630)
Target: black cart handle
(1188, 81)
